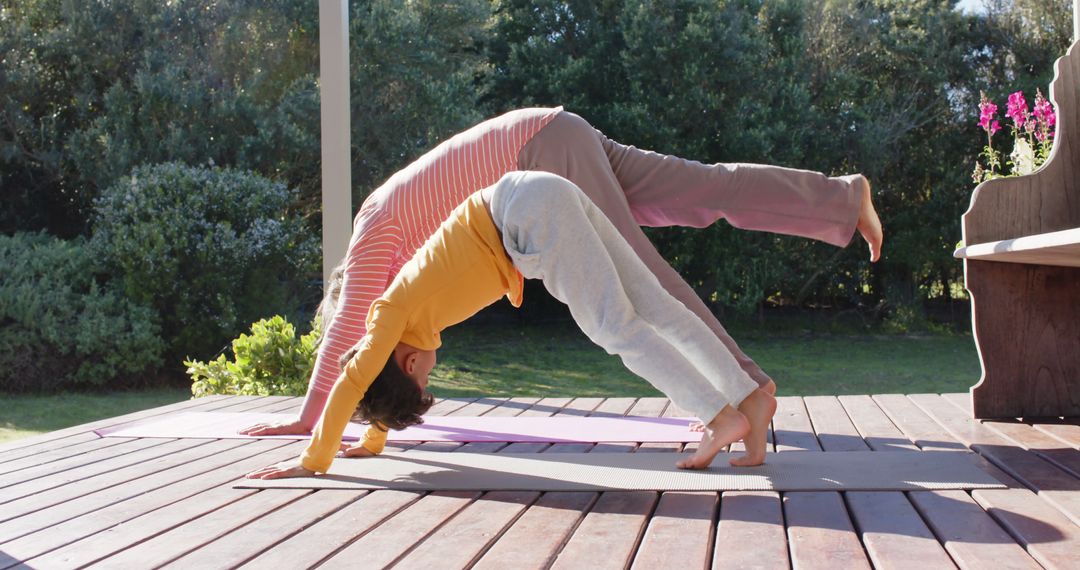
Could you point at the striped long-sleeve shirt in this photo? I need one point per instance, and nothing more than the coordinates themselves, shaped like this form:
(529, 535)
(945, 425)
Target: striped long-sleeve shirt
(399, 216)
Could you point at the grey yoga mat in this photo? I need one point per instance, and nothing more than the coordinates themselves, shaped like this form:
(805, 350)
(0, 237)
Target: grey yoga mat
(787, 471)
(569, 429)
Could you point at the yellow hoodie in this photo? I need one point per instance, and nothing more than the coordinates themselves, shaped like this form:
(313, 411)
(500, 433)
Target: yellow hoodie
(461, 269)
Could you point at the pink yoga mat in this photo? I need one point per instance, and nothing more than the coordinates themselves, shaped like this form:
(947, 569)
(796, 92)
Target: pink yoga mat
(563, 429)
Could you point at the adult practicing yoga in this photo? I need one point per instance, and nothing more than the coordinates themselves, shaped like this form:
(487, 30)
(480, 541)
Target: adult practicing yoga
(631, 187)
(541, 226)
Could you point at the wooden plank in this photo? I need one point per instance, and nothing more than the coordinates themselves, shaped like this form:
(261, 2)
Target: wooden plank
(188, 463)
(1049, 448)
(1017, 510)
(890, 528)
(791, 426)
(466, 537)
(614, 407)
(1057, 487)
(520, 542)
(670, 410)
(680, 529)
(649, 407)
(445, 407)
(463, 539)
(546, 407)
(580, 407)
(74, 527)
(1048, 536)
(1060, 248)
(28, 497)
(513, 407)
(875, 427)
(533, 540)
(834, 429)
(929, 435)
(62, 451)
(446, 533)
(970, 536)
(820, 534)
(892, 532)
(1066, 432)
(392, 538)
(245, 542)
(608, 535)
(894, 535)
(170, 545)
(673, 411)
(750, 533)
(322, 539)
(920, 428)
(479, 407)
(1042, 443)
(35, 479)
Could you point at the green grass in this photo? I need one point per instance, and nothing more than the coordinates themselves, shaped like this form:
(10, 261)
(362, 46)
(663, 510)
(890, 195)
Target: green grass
(25, 415)
(558, 360)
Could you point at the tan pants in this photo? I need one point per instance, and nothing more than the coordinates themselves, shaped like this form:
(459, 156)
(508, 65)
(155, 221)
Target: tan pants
(637, 188)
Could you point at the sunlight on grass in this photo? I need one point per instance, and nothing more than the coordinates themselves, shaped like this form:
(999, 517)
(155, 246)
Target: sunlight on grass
(558, 360)
(26, 415)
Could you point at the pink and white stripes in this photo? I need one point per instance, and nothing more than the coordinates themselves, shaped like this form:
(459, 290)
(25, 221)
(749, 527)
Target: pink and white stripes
(399, 216)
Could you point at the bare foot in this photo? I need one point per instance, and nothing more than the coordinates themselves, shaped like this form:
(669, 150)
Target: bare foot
(769, 387)
(758, 409)
(728, 426)
(869, 225)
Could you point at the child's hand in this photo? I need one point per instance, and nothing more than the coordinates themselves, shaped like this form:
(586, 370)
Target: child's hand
(355, 451)
(281, 470)
(290, 428)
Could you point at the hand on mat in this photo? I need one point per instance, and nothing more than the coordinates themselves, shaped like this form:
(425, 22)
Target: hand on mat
(290, 428)
(281, 470)
(697, 426)
(354, 451)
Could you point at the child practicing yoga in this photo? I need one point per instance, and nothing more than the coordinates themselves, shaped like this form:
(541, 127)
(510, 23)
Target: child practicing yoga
(541, 226)
(632, 187)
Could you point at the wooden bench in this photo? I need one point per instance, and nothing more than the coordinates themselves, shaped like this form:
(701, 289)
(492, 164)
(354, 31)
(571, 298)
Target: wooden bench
(1022, 268)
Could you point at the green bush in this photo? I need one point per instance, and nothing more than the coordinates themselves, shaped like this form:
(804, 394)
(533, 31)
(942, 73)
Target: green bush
(271, 360)
(206, 248)
(62, 325)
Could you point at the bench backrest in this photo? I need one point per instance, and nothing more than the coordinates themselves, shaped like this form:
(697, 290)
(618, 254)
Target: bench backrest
(1048, 199)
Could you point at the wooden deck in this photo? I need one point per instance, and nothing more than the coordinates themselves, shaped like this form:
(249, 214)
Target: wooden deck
(69, 499)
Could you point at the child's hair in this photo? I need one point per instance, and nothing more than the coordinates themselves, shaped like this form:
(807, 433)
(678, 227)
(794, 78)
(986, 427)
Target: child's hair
(393, 400)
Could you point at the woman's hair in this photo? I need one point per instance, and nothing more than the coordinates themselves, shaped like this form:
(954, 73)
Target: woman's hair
(329, 306)
(394, 400)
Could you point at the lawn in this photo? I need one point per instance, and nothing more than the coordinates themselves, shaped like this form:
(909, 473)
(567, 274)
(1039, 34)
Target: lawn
(555, 359)
(26, 415)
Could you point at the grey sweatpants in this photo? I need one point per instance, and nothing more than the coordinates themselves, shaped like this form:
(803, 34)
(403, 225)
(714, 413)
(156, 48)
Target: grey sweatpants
(635, 188)
(552, 231)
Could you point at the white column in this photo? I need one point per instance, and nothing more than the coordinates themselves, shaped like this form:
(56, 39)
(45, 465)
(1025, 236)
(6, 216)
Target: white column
(334, 90)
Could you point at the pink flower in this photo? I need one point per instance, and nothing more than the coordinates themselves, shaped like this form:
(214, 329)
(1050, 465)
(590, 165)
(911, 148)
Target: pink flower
(1017, 110)
(1044, 111)
(1044, 116)
(987, 110)
(994, 127)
